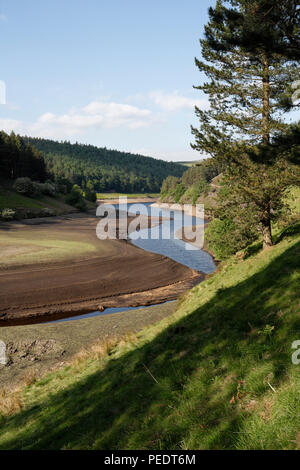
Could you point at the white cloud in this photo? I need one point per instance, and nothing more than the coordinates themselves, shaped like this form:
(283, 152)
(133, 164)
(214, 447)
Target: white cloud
(175, 102)
(95, 115)
(118, 114)
(3, 18)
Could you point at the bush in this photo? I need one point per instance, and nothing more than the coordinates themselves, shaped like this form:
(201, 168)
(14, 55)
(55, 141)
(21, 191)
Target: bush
(48, 189)
(37, 189)
(81, 205)
(8, 214)
(90, 195)
(227, 237)
(24, 186)
(75, 199)
(194, 192)
(179, 192)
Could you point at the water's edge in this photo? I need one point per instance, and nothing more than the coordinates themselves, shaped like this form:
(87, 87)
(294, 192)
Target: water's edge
(174, 248)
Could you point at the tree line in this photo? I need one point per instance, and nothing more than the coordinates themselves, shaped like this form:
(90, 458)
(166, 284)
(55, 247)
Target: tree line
(101, 169)
(18, 158)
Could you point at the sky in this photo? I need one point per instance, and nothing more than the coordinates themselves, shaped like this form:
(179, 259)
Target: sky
(112, 73)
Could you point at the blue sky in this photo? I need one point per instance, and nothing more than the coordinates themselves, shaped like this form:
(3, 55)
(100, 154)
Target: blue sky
(114, 73)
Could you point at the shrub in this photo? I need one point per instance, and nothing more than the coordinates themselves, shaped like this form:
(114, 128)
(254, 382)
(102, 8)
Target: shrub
(81, 205)
(48, 189)
(24, 186)
(226, 237)
(8, 214)
(90, 195)
(75, 199)
(37, 188)
(195, 191)
(179, 192)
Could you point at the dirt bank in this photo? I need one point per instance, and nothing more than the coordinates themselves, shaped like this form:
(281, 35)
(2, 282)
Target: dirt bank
(36, 349)
(110, 273)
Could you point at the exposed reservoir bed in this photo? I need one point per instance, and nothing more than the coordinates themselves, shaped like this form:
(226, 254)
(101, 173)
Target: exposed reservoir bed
(48, 281)
(162, 239)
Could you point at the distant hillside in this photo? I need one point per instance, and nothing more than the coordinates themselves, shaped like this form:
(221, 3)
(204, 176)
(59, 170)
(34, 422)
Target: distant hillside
(190, 163)
(194, 185)
(102, 169)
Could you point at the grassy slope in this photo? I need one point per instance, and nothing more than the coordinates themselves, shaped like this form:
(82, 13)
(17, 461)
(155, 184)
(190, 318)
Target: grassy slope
(294, 200)
(222, 363)
(13, 200)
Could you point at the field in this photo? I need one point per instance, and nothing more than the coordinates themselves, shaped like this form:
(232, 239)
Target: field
(217, 374)
(38, 247)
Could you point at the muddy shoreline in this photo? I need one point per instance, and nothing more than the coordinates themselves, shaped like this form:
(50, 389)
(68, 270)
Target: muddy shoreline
(123, 275)
(34, 350)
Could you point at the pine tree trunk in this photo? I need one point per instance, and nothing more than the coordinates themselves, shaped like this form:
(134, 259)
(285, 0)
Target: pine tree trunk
(267, 236)
(267, 230)
(266, 100)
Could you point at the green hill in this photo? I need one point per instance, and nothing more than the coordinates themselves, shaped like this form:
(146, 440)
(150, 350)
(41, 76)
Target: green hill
(103, 169)
(217, 374)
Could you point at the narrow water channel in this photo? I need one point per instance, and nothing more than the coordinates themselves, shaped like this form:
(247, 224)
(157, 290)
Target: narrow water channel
(162, 239)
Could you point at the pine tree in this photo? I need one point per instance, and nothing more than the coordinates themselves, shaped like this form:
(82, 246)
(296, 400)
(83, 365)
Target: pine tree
(250, 58)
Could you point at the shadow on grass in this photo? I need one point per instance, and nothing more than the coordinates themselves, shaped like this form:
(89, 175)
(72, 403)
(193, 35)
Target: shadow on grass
(292, 230)
(289, 231)
(217, 352)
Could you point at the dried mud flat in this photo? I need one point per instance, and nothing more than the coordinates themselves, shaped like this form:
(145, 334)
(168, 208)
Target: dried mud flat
(112, 273)
(34, 350)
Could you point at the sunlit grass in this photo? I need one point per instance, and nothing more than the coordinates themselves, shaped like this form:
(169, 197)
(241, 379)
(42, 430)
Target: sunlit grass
(217, 374)
(36, 248)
